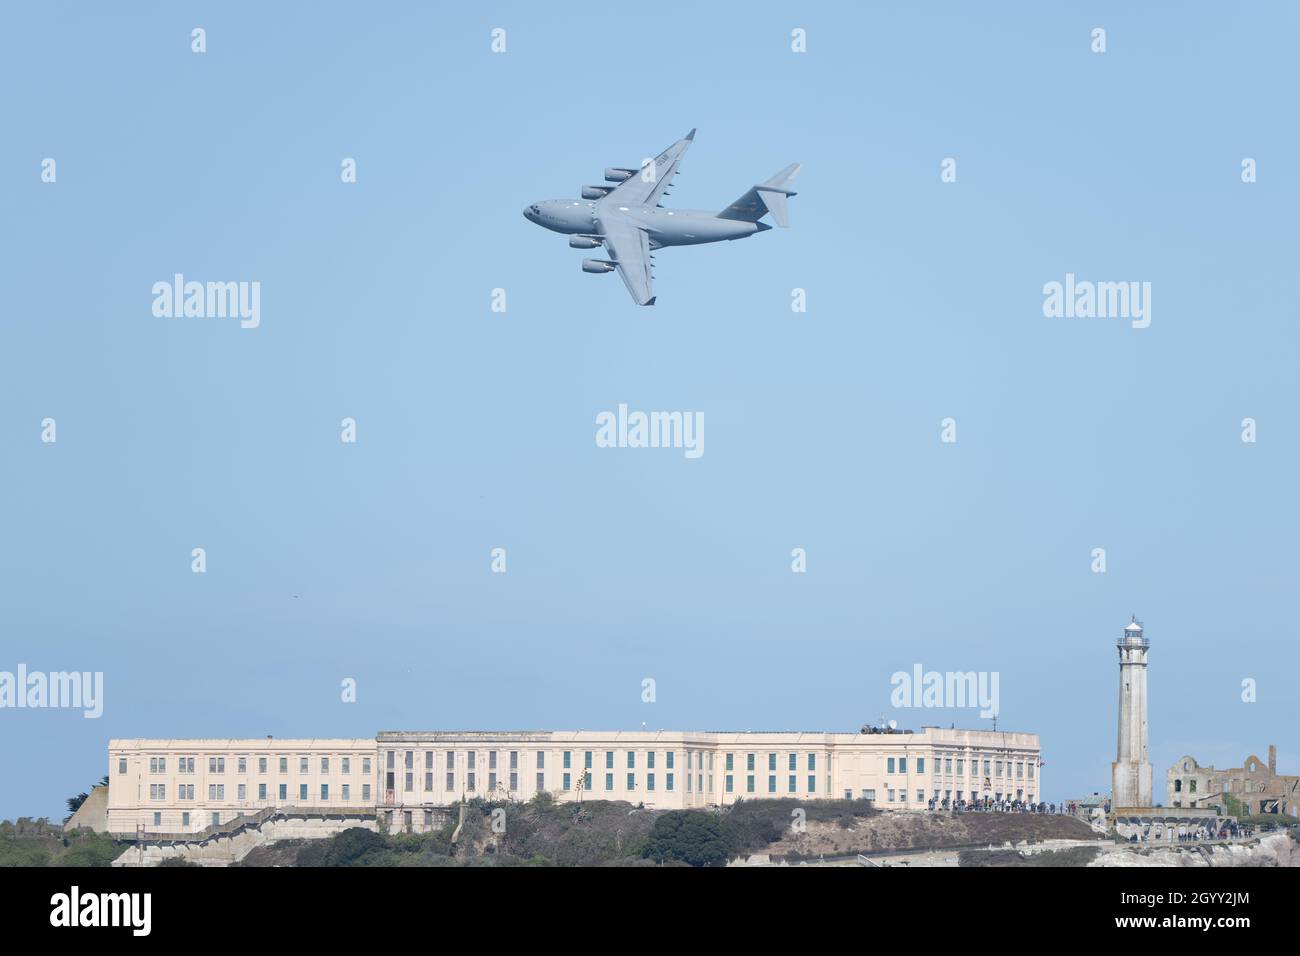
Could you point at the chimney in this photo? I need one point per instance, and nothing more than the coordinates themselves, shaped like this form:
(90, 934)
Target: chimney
(1272, 758)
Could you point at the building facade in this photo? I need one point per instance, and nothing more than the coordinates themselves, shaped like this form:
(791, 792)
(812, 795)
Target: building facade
(1255, 784)
(409, 778)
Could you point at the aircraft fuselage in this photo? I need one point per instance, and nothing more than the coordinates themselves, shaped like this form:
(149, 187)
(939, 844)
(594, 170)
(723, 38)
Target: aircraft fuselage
(666, 227)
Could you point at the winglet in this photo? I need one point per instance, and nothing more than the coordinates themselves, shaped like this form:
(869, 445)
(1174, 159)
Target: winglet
(690, 137)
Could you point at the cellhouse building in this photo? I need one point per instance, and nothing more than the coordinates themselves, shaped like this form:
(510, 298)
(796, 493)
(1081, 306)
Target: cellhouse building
(409, 779)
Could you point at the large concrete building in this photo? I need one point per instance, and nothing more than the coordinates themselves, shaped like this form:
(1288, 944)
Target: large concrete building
(1255, 785)
(1131, 771)
(409, 779)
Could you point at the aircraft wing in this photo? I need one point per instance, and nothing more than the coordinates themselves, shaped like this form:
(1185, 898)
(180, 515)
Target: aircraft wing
(629, 247)
(635, 190)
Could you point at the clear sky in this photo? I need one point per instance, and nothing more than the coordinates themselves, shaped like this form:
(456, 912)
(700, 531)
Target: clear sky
(476, 429)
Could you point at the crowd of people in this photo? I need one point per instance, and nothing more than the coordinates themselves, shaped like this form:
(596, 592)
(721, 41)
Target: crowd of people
(992, 805)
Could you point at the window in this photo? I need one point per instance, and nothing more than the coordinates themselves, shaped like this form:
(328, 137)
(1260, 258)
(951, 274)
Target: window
(920, 765)
(157, 764)
(541, 760)
(157, 819)
(749, 761)
(564, 782)
(728, 783)
(157, 791)
(771, 762)
(792, 762)
(999, 768)
(1020, 770)
(947, 765)
(1031, 770)
(961, 768)
(324, 791)
(324, 764)
(565, 760)
(302, 791)
(541, 782)
(408, 759)
(749, 783)
(261, 791)
(409, 781)
(771, 783)
(609, 760)
(284, 791)
(609, 781)
(649, 781)
(889, 794)
(302, 765)
(186, 791)
(792, 787)
(388, 756)
(284, 765)
(243, 765)
(428, 819)
(514, 780)
(185, 819)
(451, 781)
(406, 820)
(242, 792)
(890, 765)
(986, 768)
(261, 765)
(347, 764)
(514, 760)
(902, 765)
(730, 761)
(668, 761)
(650, 760)
(428, 761)
(492, 782)
(216, 791)
(812, 763)
(472, 757)
(902, 794)
(472, 782)
(631, 781)
(121, 765)
(869, 795)
(631, 760)
(586, 781)
(812, 784)
(428, 781)
(365, 765)
(451, 759)
(668, 780)
(365, 793)
(586, 760)
(492, 760)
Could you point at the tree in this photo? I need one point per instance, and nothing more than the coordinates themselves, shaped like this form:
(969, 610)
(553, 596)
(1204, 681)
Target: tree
(691, 836)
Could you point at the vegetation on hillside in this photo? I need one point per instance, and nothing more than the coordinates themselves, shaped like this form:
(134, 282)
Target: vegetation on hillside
(40, 843)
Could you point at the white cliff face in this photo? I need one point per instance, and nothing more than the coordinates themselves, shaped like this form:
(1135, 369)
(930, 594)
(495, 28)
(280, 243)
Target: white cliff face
(1272, 850)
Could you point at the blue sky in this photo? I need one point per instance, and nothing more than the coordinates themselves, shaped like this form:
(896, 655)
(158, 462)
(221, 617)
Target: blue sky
(476, 429)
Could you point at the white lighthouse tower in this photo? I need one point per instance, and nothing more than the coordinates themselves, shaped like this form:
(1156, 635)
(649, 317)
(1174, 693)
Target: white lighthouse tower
(1131, 771)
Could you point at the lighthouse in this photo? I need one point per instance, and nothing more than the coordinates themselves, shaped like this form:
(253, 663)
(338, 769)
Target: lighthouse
(1131, 771)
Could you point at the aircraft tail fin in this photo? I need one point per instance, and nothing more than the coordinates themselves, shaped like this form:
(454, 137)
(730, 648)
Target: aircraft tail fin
(768, 196)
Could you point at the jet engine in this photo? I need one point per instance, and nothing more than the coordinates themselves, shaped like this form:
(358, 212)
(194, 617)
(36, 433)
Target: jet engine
(583, 242)
(597, 265)
(595, 192)
(616, 174)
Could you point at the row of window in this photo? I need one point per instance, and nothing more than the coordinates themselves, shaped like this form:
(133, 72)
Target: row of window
(218, 764)
(791, 784)
(992, 768)
(217, 792)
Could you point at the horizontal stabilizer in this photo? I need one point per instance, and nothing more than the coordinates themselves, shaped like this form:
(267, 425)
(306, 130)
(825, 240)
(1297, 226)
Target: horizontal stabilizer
(769, 196)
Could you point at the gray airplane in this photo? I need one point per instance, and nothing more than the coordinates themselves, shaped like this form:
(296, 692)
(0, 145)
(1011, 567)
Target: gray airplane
(629, 222)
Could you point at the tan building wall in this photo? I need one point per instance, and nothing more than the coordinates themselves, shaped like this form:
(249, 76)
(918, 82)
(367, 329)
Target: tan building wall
(183, 786)
(420, 772)
(409, 777)
(1255, 783)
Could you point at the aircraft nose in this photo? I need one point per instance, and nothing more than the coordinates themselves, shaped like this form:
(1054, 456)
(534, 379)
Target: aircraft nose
(528, 213)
